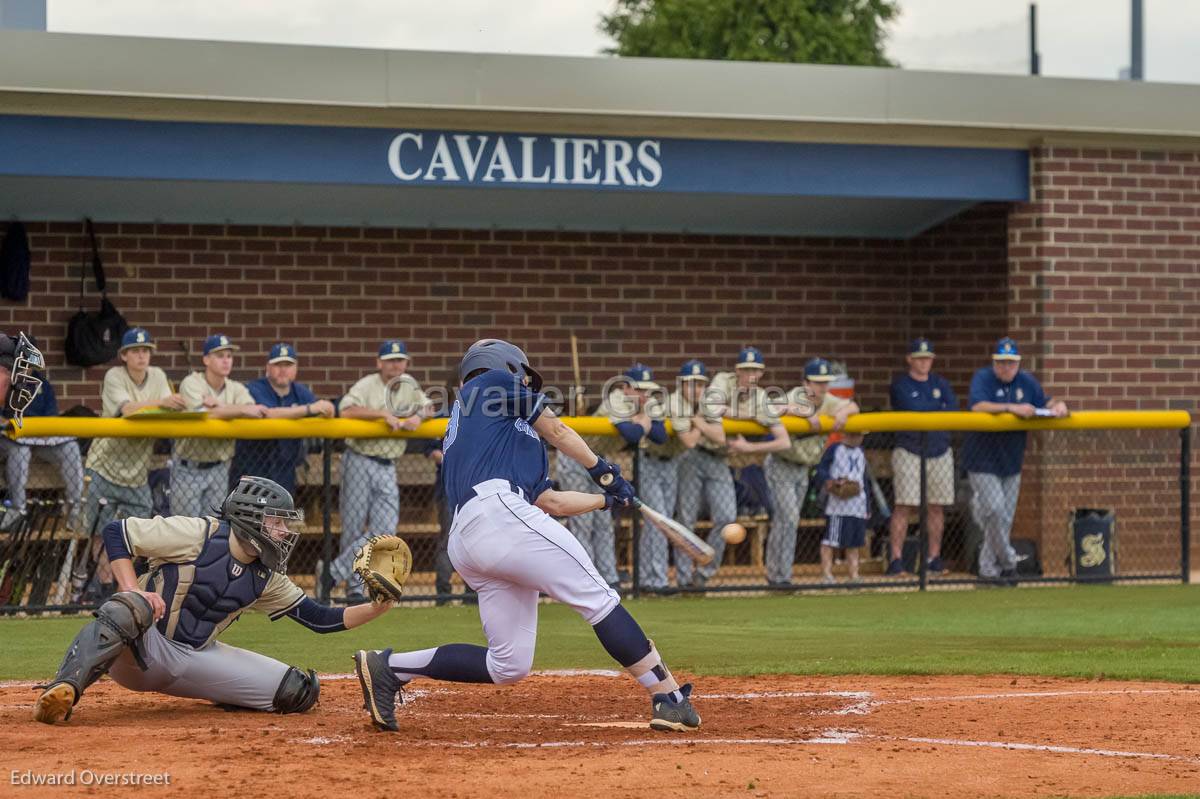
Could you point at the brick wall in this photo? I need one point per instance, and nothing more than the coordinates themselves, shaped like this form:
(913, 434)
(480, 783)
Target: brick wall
(1104, 292)
(335, 292)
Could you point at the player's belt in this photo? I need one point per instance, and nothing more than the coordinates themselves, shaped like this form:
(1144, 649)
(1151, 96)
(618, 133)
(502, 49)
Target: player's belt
(490, 487)
(379, 460)
(659, 458)
(202, 465)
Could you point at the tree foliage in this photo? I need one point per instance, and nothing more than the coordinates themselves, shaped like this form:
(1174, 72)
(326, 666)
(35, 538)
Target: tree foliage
(795, 31)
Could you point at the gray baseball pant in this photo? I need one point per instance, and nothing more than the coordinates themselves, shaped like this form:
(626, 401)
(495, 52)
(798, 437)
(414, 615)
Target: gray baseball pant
(370, 505)
(994, 506)
(704, 480)
(788, 482)
(198, 492)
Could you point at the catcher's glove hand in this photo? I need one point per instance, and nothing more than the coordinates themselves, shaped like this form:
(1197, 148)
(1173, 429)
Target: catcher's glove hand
(844, 488)
(384, 563)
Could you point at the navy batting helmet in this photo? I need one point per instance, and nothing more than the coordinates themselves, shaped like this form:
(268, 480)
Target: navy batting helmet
(493, 353)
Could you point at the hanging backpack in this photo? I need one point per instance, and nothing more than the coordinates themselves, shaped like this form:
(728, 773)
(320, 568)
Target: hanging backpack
(93, 337)
(14, 264)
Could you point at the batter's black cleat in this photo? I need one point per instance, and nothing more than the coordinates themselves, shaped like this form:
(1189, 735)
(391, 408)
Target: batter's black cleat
(674, 716)
(380, 687)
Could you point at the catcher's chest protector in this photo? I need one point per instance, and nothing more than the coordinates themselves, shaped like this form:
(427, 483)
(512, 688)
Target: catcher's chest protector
(215, 586)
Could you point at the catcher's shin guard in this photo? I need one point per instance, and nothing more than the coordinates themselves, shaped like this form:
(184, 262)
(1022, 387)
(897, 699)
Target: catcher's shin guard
(120, 622)
(297, 692)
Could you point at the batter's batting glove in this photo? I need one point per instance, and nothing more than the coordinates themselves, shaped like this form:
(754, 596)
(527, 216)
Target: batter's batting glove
(605, 474)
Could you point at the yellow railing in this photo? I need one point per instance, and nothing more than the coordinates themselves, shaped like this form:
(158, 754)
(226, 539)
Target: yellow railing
(163, 426)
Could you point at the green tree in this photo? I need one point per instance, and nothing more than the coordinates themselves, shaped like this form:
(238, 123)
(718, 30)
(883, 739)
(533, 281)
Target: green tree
(796, 31)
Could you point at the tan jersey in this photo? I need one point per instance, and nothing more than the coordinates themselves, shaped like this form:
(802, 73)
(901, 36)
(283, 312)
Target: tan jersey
(806, 450)
(616, 407)
(194, 389)
(406, 398)
(681, 411)
(180, 540)
(126, 461)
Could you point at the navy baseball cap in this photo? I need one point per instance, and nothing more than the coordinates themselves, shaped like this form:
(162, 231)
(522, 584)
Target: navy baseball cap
(818, 370)
(750, 358)
(282, 353)
(1006, 350)
(641, 377)
(136, 337)
(920, 348)
(693, 370)
(217, 342)
(392, 349)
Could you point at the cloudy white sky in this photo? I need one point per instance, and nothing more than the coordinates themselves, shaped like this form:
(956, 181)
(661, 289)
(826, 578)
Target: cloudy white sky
(1078, 38)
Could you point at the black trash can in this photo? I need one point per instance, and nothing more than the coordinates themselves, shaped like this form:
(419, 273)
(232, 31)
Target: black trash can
(1093, 543)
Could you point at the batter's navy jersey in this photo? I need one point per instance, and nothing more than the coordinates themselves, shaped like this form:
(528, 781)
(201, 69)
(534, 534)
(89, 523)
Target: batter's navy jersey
(490, 436)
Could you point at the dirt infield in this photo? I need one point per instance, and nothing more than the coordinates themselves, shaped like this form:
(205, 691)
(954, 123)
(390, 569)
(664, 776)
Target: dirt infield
(558, 735)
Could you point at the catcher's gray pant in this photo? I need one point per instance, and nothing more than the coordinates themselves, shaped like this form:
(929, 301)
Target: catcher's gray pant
(65, 456)
(119, 502)
(994, 505)
(218, 672)
(370, 505)
(788, 482)
(594, 530)
(198, 492)
(658, 485)
(704, 480)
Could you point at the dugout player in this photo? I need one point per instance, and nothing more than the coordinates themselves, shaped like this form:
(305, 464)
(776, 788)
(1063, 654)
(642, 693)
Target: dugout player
(920, 389)
(159, 633)
(788, 470)
(706, 473)
(284, 398)
(200, 471)
(506, 545)
(993, 460)
(118, 469)
(370, 497)
(626, 408)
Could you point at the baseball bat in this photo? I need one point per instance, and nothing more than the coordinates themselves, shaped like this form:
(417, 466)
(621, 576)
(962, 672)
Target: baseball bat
(695, 547)
(578, 406)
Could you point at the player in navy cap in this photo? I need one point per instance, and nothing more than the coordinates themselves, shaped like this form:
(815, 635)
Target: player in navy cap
(920, 389)
(993, 460)
(507, 546)
(200, 473)
(284, 398)
(370, 496)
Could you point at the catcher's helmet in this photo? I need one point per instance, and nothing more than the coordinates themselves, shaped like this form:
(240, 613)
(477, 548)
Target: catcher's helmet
(247, 508)
(493, 353)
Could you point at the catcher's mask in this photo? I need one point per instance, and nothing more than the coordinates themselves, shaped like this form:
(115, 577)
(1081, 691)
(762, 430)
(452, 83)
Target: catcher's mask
(23, 385)
(258, 511)
(493, 353)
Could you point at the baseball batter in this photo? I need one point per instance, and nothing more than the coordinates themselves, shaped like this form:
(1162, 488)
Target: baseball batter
(159, 633)
(507, 547)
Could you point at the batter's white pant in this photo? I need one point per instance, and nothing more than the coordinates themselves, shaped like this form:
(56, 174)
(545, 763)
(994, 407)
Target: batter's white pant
(508, 551)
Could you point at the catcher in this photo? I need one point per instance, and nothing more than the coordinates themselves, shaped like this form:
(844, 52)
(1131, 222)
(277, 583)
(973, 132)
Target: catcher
(842, 472)
(159, 633)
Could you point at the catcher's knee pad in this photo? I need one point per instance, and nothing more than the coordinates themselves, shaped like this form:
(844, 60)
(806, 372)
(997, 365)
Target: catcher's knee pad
(120, 622)
(297, 691)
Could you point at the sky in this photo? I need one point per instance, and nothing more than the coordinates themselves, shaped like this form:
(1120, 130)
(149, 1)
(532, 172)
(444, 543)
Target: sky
(1077, 38)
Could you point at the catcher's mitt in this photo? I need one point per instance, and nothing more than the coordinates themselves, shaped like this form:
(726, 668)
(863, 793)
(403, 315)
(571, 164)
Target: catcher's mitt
(383, 562)
(844, 488)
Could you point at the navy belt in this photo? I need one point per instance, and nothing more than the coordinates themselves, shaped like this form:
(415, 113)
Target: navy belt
(380, 461)
(199, 464)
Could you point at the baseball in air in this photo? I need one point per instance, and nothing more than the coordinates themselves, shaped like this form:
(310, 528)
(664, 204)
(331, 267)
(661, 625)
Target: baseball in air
(733, 533)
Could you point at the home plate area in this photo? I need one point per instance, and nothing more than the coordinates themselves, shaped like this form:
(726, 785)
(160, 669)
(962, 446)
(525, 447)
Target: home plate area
(566, 734)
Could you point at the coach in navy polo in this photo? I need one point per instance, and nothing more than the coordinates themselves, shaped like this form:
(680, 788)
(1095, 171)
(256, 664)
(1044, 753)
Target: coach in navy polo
(283, 398)
(993, 460)
(919, 389)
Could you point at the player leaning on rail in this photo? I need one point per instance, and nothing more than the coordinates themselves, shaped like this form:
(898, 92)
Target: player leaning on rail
(159, 633)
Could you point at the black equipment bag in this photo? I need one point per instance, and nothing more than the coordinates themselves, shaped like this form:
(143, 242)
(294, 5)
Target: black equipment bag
(93, 337)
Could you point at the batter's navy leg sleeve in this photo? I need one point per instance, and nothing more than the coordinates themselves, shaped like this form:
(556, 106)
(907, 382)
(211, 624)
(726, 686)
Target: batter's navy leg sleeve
(622, 637)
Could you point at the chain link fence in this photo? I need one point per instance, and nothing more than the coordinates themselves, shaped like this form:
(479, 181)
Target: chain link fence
(1084, 505)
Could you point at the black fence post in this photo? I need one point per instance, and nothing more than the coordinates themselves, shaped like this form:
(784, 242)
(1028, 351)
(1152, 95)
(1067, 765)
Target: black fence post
(923, 520)
(635, 527)
(1185, 504)
(326, 517)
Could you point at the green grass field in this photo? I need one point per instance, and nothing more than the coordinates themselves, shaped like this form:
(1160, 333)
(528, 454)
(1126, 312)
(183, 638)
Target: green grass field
(1119, 632)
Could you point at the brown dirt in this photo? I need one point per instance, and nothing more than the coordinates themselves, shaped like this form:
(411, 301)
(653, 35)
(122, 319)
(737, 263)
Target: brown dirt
(918, 736)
